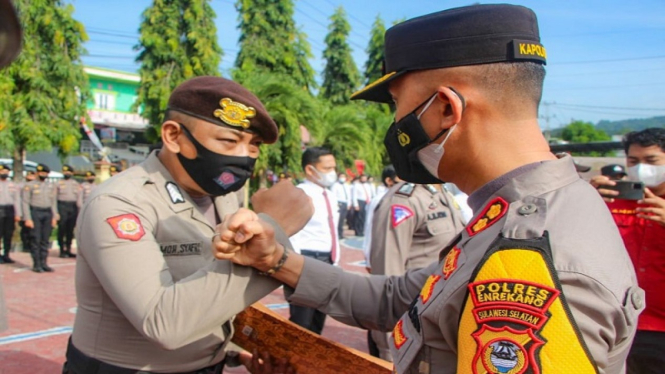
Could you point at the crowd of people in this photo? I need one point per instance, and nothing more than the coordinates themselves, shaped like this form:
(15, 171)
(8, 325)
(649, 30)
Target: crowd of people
(39, 205)
(544, 277)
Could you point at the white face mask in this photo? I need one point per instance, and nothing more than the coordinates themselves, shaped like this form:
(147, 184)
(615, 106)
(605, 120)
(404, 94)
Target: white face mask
(430, 156)
(342, 180)
(650, 175)
(326, 179)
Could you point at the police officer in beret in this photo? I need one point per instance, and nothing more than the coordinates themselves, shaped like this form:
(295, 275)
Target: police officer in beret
(68, 195)
(114, 169)
(87, 187)
(26, 232)
(152, 299)
(40, 212)
(10, 201)
(539, 281)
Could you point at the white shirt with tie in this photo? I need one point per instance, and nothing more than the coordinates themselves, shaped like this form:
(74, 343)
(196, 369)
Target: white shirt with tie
(360, 191)
(317, 235)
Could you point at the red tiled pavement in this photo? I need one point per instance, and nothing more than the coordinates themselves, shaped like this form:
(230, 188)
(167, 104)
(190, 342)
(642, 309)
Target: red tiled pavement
(46, 301)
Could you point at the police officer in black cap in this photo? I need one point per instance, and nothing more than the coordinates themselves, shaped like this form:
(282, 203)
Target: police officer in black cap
(539, 281)
(68, 196)
(41, 214)
(9, 212)
(87, 187)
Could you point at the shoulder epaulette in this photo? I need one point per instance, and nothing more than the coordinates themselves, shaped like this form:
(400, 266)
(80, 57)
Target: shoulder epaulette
(406, 189)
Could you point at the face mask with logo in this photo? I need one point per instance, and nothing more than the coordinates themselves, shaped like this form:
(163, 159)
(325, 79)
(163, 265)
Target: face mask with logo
(326, 179)
(650, 175)
(215, 173)
(404, 141)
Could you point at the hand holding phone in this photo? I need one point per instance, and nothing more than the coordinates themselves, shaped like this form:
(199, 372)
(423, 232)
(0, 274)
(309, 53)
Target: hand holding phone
(626, 190)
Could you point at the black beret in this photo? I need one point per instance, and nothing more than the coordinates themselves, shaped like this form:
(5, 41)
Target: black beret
(5, 167)
(613, 170)
(472, 35)
(43, 167)
(89, 174)
(115, 168)
(225, 103)
(10, 33)
(67, 168)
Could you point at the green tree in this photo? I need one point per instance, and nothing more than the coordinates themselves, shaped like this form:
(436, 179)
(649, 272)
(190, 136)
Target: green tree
(270, 42)
(291, 106)
(340, 75)
(178, 41)
(44, 92)
(375, 52)
(584, 132)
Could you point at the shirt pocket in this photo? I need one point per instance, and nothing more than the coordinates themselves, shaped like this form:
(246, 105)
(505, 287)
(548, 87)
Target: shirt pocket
(439, 222)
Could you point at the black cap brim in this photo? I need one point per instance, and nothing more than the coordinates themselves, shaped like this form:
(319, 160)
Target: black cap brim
(378, 90)
(10, 33)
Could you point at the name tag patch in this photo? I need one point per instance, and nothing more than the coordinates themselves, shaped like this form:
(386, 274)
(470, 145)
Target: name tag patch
(181, 249)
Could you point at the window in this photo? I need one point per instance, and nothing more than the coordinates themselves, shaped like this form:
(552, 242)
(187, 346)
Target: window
(104, 101)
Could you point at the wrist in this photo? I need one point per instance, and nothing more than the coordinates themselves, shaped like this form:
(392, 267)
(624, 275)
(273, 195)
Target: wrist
(276, 261)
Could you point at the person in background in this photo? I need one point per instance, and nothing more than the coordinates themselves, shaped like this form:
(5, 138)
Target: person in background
(68, 195)
(389, 178)
(115, 169)
(642, 227)
(361, 195)
(26, 232)
(342, 192)
(10, 212)
(318, 239)
(40, 211)
(87, 187)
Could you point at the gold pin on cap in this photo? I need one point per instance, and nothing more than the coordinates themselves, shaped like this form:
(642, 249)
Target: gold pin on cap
(234, 113)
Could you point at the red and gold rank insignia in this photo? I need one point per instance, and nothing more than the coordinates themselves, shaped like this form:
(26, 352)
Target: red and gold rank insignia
(450, 262)
(127, 226)
(398, 335)
(493, 212)
(428, 288)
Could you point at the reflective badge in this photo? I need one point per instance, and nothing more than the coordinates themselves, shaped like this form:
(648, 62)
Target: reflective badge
(428, 288)
(398, 335)
(515, 319)
(400, 213)
(490, 215)
(127, 226)
(174, 193)
(450, 263)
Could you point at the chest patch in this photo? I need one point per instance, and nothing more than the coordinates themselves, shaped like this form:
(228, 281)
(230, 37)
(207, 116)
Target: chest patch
(127, 226)
(399, 214)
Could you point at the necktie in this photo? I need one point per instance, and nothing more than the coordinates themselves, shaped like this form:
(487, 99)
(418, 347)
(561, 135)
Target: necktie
(333, 232)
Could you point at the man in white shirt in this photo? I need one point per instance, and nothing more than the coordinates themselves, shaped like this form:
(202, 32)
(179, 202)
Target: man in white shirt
(361, 196)
(342, 192)
(318, 239)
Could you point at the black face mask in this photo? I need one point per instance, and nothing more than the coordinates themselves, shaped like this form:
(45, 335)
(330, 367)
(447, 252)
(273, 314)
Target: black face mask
(403, 141)
(4, 176)
(215, 173)
(91, 180)
(67, 176)
(42, 178)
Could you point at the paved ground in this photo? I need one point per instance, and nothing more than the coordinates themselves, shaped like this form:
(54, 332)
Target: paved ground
(40, 312)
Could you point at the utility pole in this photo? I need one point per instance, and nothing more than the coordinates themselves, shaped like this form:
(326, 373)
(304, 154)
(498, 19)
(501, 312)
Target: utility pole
(547, 117)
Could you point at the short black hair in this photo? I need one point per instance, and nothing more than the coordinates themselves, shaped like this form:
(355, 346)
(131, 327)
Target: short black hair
(312, 155)
(388, 172)
(645, 138)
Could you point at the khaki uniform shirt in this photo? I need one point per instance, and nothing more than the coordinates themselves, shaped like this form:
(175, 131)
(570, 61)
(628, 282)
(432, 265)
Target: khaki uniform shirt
(86, 190)
(10, 194)
(150, 294)
(410, 226)
(594, 272)
(38, 194)
(68, 190)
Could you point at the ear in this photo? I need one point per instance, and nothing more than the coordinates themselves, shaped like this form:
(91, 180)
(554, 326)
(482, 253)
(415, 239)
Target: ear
(453, 108)
(171, 131)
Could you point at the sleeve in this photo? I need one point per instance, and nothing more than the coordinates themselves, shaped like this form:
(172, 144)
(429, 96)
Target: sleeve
(372, 302)
(17, 200)
(54, 203)
(79, 195)
(25, 202)
(354, 200)
(392, 239)
(117, 241)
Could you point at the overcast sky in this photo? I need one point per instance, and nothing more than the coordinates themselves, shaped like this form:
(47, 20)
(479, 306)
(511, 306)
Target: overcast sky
(606, 59)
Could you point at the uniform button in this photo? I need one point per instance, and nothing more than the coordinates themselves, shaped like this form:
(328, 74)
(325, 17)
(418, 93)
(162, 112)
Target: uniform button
(637, 300)
(527, 209)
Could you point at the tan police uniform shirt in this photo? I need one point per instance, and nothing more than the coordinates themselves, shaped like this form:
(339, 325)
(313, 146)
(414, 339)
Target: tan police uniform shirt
(86, 190)
(150, 294)
(411, 225)
(593, 268)
(38, 194)
(68, 190)
(10, 194)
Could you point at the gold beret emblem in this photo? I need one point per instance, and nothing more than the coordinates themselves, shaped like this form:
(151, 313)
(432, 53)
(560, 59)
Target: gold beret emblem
(234, 113)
